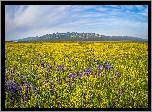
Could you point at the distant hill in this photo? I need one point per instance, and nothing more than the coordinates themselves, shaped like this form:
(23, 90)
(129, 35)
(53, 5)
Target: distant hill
(80, 37)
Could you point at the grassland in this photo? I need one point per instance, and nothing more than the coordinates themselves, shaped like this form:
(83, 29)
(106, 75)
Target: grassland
(76, 75)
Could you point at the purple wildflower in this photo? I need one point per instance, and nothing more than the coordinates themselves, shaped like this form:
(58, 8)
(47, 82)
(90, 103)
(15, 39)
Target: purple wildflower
(70, 84)
(88, 71)
(107, 66)
(6, 85)
(13, 88)
(61, 67)
(81, 74)
(49, 68)
(98, 67)
(73, 75)
(69, 77)
(29, 84)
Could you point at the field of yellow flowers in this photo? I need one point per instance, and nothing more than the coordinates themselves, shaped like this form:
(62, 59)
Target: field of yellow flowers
(76, 75)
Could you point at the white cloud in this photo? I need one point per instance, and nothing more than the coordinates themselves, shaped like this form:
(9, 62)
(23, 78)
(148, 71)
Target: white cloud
(116, 6)
(128, 11)
(139, 7)
(144, 12)
(129, 7)
(146, 9)
(102, 9)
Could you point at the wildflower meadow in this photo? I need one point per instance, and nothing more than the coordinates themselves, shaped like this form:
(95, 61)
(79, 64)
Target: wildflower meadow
(76, 75)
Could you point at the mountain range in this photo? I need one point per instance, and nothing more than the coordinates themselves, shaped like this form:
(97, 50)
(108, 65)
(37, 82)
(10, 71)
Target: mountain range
(80, 37)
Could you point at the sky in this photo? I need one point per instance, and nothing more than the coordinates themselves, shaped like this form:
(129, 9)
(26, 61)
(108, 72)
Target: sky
(22, 21)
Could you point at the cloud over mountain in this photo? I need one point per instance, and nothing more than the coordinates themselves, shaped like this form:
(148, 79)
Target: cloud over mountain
(23, 21)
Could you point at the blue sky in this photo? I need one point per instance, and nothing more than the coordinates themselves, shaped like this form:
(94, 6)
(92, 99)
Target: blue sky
(23, 21)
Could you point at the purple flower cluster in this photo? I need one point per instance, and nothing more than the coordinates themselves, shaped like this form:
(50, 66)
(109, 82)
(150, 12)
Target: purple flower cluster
(49, 68)
(88, 71)
(61, 67)
(69, 76)
(107, 66)
(15, 91)
(70, 84)
(73, 76)
(6, 85)
(12, 88)
(81, 74)
(98, 67)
